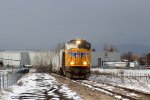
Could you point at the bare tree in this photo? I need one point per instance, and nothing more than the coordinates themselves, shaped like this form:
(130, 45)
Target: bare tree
(59, 46)
(110, 48)
(130, 56)
(142, 61)
(43, 61)
(113, 48)
(147, 59)
(105, 47)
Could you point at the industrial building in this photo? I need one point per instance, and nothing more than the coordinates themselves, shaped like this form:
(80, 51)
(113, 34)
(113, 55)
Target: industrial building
(100, 58)
(19, 58)
(14, 58)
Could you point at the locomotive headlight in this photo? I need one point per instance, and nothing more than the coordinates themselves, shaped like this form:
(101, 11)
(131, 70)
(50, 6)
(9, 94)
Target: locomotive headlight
(84, 63)
(72, 63)
(78, 42)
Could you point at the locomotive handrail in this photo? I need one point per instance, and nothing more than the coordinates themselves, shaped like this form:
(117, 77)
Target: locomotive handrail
(88, 60)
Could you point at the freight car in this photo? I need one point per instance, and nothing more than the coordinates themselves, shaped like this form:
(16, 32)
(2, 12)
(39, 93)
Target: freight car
(74, 60)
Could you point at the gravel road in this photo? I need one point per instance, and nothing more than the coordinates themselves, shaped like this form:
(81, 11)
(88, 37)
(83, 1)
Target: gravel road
(85, 92)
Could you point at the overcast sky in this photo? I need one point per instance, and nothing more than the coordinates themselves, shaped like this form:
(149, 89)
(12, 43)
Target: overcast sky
(41, 24)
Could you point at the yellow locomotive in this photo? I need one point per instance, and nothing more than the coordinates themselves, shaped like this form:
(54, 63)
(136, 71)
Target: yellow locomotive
(74, 59)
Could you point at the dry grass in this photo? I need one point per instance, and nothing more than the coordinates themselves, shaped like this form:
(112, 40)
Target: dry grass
(43, 68)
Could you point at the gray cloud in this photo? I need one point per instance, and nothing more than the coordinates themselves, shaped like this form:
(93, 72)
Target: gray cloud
(36, 24)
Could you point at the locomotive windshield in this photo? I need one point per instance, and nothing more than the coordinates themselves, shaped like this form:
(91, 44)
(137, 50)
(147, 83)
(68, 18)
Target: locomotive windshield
(82, 44)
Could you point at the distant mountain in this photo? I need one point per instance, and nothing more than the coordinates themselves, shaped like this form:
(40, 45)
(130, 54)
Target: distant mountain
(139, 49)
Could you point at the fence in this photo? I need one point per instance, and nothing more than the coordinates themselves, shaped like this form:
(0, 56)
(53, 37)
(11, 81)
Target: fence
(124, 75)
(9, 79)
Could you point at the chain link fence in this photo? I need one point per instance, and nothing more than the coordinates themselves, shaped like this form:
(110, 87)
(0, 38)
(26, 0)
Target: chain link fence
(9, 79)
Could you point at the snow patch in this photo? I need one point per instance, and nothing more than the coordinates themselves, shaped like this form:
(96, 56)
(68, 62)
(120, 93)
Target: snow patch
(41, 86)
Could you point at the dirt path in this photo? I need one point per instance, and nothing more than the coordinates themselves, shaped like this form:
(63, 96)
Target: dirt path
(85, 92)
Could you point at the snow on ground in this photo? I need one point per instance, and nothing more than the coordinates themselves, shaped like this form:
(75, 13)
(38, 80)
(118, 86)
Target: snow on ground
(133, 79)
(39, 86)
(126, 72)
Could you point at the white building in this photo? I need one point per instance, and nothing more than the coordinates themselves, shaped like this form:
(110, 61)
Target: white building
(98, 58)
(18, 58)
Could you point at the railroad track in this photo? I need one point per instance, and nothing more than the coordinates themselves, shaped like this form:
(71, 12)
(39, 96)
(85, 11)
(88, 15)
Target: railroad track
(131, 90)
(115, 91)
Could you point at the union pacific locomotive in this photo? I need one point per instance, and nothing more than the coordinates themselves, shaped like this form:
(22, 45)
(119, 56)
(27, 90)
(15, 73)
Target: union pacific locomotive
(74, 60)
